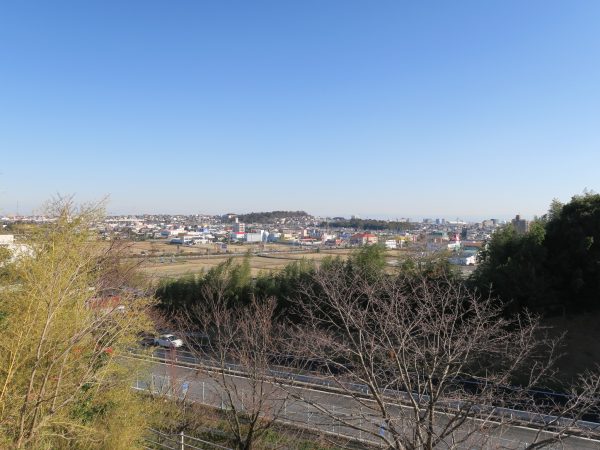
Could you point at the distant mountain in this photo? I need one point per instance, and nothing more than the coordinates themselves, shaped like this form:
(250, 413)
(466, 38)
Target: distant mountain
(272, 216)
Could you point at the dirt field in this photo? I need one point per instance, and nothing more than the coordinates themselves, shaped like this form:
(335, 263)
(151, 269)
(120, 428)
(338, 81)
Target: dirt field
(161, 247)
(178, 266)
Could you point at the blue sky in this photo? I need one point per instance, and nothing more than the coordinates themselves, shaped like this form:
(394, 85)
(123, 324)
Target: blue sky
(382, 109)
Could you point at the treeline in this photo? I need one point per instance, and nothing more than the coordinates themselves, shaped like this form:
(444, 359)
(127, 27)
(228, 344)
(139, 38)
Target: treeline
(554, 267)
(268, 217)
(369, 225)
(234, 283)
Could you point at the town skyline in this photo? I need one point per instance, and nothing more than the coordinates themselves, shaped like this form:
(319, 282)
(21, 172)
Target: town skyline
(36, 212)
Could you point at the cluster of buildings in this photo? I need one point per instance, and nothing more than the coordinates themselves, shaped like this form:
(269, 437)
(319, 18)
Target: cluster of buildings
(461, 239)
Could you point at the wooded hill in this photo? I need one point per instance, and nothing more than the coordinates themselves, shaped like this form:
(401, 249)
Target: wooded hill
(271, 216)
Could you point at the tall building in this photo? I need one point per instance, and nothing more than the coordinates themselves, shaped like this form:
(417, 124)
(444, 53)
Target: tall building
(521, 225)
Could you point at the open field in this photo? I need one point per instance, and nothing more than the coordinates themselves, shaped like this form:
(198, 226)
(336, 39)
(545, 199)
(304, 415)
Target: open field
(173, 268)
(177, 266)
(162, 247)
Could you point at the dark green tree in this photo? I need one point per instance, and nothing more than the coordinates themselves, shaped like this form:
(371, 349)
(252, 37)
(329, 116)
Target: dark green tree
(573, 246)
(369, 261)
(555, 267)
(512, 267)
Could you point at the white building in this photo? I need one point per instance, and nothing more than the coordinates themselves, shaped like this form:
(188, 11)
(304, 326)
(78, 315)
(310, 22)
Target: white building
(253, 237)
(257, 236)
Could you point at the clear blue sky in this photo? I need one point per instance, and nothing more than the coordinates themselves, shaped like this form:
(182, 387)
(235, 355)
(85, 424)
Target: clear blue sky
(378, 108)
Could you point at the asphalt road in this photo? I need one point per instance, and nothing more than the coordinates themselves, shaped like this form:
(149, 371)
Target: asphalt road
(339, 415)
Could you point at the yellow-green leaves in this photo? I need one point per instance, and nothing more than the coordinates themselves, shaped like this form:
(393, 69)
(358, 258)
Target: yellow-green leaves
(65, 317)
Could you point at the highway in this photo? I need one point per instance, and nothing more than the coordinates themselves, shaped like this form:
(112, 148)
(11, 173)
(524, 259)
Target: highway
(341, 415)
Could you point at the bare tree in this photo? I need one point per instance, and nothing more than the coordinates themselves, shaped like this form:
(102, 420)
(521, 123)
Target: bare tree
(426, 364)
(235, 345)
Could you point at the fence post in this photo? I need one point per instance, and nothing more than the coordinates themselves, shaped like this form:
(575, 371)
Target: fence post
(203, 401)
(333, 421)
(182, 441)
(360, 423)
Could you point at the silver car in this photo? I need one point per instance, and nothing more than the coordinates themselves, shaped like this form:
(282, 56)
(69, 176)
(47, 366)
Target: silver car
(168, 341)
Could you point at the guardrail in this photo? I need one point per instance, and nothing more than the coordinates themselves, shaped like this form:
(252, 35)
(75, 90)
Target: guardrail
(204, 392)
(183, 356)
(314, 381)
(303, 417)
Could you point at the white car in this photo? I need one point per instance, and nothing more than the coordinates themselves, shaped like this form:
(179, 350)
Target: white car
(168, 340)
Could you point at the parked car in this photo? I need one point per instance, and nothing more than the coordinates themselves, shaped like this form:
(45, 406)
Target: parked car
(168, 341)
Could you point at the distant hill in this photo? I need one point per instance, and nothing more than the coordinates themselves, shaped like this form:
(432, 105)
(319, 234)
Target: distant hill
(271, 216)
(369, 224)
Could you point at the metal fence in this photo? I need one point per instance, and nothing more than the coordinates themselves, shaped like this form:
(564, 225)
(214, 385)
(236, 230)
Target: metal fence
(298, 414)
(188, 358)
(158, 440)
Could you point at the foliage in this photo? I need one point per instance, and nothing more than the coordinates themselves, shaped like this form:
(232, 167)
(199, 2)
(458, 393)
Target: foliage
(232, 278)
(60, 384)
(556, 265)
(369, 260)
(432, 267)
(237, 286)
(513, 268)
(573, 246)
(284, 284)
(5, 255)
(5, 259)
